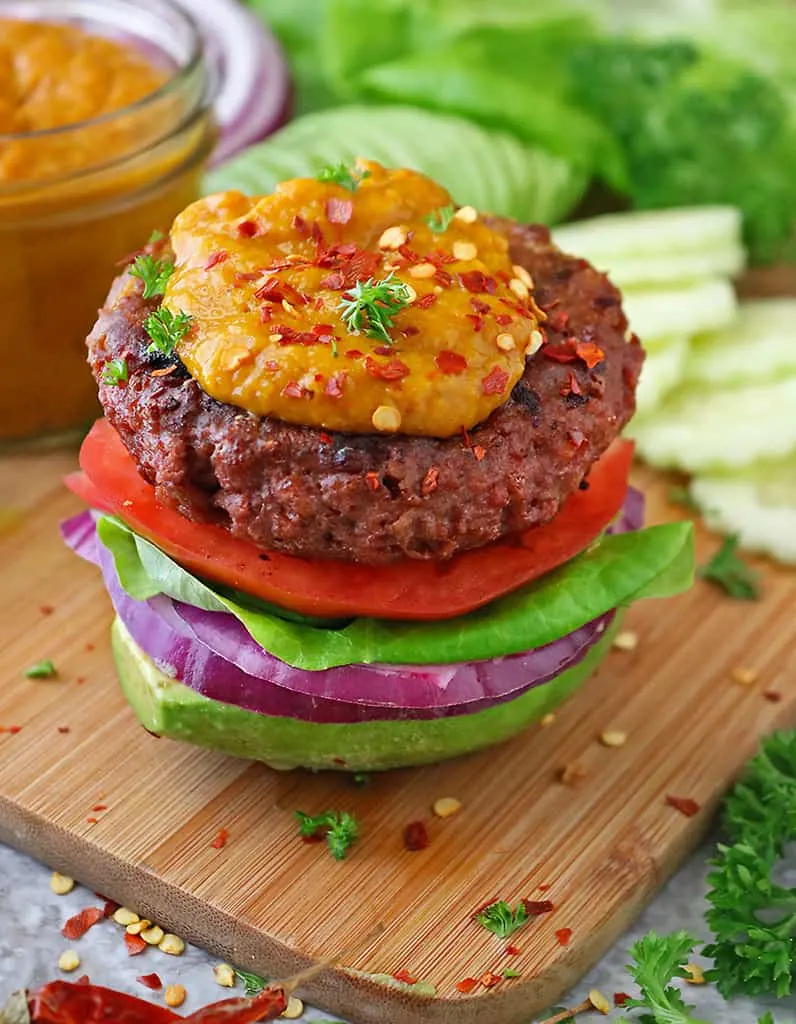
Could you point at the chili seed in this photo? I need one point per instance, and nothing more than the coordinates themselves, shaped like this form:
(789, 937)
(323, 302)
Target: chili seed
(136, 927)
(695, 974)
(613, 738)
(466, 214)
(422, 270)
(626, 641)
(446, 806)
(171, 944)
(535, 343)
(523, 275)
(465, 251)
(519, 288)
(599, 1002)
(294, 1009)
(275, 338)
(174, 995)
(153, 936)
(68, 961)
(386, 418)
(744, 676)
(505, 342)
(61, 884)
(547, 719)
(124, 916)
(392, 238)
(571, 774)
(224, 975)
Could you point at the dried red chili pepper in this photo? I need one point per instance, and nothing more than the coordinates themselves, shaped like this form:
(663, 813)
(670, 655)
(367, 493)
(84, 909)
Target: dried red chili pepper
(395, 369)
(221, 839)
(477, 281)
(339, 211)
(543, 887)
(110, 907)
(495, 381)
(443, 278)
(416, 836)
(466, 985)
(63, 728)
(100, 807)
(267, 1005)
(684, 804)
(534, 908)
(150, 981)
(503, 319)
(426, 301)
(488, 979)
(561, 352)
(559, 320)
(63, 1003)
(450, 362)
(404, 976)
(564, 935)
(77, 926)
(134, 943)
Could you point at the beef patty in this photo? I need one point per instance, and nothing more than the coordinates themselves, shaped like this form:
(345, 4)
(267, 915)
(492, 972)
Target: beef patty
(376, 498)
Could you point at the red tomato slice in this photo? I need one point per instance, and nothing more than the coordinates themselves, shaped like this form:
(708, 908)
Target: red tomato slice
(404, 590)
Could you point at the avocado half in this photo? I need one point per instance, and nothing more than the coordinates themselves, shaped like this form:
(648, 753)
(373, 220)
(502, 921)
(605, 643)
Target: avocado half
(169, 708)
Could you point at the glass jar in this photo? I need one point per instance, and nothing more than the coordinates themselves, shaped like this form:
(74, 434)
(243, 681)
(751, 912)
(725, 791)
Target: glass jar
(78, 199)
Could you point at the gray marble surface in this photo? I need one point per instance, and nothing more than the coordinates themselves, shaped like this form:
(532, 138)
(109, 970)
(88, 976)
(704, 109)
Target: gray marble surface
(31, 942)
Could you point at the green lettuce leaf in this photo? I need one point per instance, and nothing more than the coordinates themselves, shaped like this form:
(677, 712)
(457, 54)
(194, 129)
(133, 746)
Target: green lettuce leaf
(656, 562)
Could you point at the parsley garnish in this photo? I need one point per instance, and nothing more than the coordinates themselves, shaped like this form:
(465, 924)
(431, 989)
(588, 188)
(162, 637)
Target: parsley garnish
(154, 273)
(369, 307)
(510, 973)
(253, 983)
(340, 827)
(114, 372)
(439, 220)
(156, 236)
(166, 329)
(340, 174)
(657, 959)
(726, 569)
(500, 919)
(41, 670)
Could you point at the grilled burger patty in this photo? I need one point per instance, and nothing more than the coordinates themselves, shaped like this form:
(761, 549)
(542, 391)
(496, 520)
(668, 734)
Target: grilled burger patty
(378, 498)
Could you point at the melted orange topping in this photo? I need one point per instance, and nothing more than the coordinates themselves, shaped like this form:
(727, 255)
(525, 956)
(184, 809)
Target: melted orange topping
(263, 279)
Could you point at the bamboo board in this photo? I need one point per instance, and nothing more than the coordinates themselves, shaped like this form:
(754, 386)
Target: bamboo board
(268, 902)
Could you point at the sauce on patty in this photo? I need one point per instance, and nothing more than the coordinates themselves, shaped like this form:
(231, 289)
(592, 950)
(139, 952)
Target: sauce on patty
(370, 305)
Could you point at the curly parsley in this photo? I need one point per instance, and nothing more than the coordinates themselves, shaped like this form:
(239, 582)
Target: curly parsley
(342, 175)
(114, 372)
(253, 983)
(501, 920)
(439, 220)
(728, 570)
(166, 329)
(340, 828)
(369, 307)
(154, 273)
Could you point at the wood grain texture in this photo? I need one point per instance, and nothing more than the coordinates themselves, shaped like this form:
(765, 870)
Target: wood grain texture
(271, 903)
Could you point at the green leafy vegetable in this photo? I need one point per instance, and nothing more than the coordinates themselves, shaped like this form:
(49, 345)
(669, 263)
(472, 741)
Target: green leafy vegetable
(439, 220)
(342, 175)
(510, 974)
(166, 329)
(655, 562)
(657, 959)
(340, 828)
(156, 236)
(369, 307)
(41, 670)
(753, 919)
(253, 983)
(114, 372)
(728, 570)
(500, 919)
(154, 273)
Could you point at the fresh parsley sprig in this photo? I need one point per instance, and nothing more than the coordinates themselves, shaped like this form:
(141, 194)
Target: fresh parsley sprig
(728, 570)
(370, 306)
(500, 919)
(340, 828)
(657, 960)
(439, 220)
(166, 329)
(114, 372)
(253, 984)
(154, 273)
(342, 175)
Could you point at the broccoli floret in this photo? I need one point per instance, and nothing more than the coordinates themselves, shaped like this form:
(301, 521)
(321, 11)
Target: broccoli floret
(696, 129)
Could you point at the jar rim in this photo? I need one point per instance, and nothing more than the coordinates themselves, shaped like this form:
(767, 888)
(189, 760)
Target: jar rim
(164, 90)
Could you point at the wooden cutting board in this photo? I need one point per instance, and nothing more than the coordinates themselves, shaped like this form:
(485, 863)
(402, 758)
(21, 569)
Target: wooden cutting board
(270, 903)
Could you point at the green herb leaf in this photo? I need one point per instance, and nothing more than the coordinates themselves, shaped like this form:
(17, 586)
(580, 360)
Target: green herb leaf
(501, 920)
(657, 959)
(154, 273)
(340, 828)
(253, 983)
(510, 973)
(766, 1018)
(156, 236)
(439, 220)
(114, 372)
(342, 175)
(361, 779)
(166, 329)
(41, 670)
(727, 570)
(369, 307)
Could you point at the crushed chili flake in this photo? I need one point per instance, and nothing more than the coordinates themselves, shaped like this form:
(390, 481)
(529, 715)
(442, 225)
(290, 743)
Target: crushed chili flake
(438, 256)
(13, 729)
(334, 387)
(80, 679)
(295, 390)
(100, 807)
(290, 336)
(77, 926)
(479, 452)
(134, 943)
(513, 950)
(221, 839)
(590, 353)
(247, 229)
(219, 256)
(563, 935)
(92, 821)
(480, 307)
(300, 225)
(430, 481)
(151, 981)
(373, 481)
(772, 695)
(353, 353)
(89, 647)
(466, 985)
(163, 371)
(561, 352)
(409, 254)
(46, 609)
(334, 282)
(620, 998)
(83, 980)
(489, 979)
(63, 728)
(325, 438)
(109, 908)
(246, 276)
(476, 320)
(382, 350)
(348, 264)
(450, 362)
(503, 319)
(416, 836)
(426, 301)
(559, 320)
(266, 313)
(339, 211)
(684, 804)
(404, 976)
(443, 278)
(536, 907)
(478, 281)
(495, 381)
(410, 330)
(395, 369)
(571, 386)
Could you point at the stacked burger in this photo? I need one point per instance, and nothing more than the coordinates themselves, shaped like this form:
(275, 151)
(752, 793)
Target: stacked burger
(358, 497)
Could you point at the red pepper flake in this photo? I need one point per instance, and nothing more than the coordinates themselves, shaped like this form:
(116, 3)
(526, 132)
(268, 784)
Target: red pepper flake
(219, 256)
(503, 319)
(562, 352)
(476, 320)
(110, 907)
(83, 980)
(410, 330)
(479, 452)
(404, 976)
(393, 370)
(89, 647)
(266, 314)
(272, 365)
(536, 907)
(348, 264)
(46, 609)
(319, 378)
(495, 381)
(300, 226)
(382, 350)
(80, 680)
(373, 481)
(430, 481)
(684, 804)
(325, 438)
(14, 729)
(559, 320)
(334, 282)
(450, 362)
(295, 390)
(77, 926)
(488, 979)
(571, 386)
(478, 281)
(513, 950)
(590, 353)
(543, 887)
(410, 255)
(443, 278)
(134, 943)
(564, 935)
(221, 839)
(246, 276)
(63, 729)
(772, 695)
(334, 387)
(621, 998)
(416, 836)
(247, 229)
(150, 981)
(339, 211)
(353, 353)
(290, 336)
(92, 821)
(100, 807)
(466, 985)
(480, 307)
(426, 301)
(439, 256)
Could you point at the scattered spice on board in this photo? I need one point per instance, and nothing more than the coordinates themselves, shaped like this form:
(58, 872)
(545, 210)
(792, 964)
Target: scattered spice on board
(134, 944)
(489, 979)
(404, 976)
(620, 998)
(744, 676)
(339, 828)
(774, 696)
(416, 836)
(41, 670)
(535, 908)
(466, 985)
(563, 935)
(150, 981)
(509, 974)
(726, 569)
(684, 804)
(77, 926)
(221, 839)
(501, 919)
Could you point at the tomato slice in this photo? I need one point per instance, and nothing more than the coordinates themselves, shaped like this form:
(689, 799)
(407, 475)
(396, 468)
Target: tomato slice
(412, 590)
